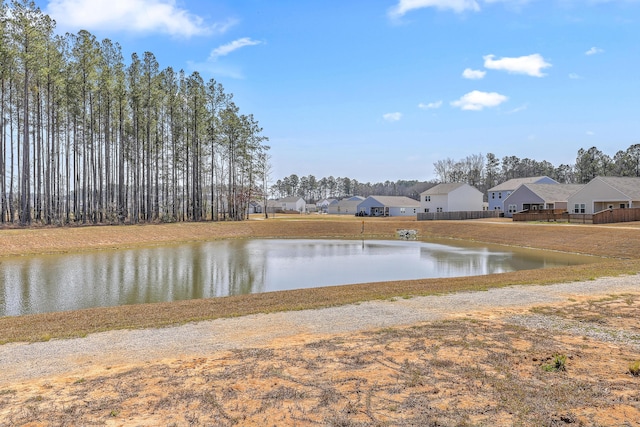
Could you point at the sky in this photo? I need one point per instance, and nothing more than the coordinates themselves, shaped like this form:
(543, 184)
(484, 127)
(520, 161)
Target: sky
(379, 90)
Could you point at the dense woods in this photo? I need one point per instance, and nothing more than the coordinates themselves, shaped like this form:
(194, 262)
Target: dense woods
(482, 172)
(86, 138)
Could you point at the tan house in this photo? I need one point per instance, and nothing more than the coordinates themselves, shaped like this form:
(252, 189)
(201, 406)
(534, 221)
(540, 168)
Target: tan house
(605, 192)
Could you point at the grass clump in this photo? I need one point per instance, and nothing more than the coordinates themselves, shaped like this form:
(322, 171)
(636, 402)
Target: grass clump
(634, 368)
(558, 363)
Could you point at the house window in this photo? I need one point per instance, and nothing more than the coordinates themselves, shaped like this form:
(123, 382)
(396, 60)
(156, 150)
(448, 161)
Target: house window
(414, 210)
(427, 198)
(579, 208)
(438, 209)
(513, 208)
(499, 195)
(426, 210)
(493, 195)
(402, 210)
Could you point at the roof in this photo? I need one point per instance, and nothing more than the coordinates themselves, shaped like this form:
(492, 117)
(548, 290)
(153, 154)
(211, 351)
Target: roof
(444, 188)
(289, 199)
(554, 192)
(395, 201)
(512, 184)
(630, 186)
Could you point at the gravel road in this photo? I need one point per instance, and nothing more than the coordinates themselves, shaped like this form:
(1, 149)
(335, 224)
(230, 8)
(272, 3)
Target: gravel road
(24, 361)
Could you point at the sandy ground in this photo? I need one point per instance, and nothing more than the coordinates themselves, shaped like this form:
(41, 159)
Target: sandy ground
(564, 354)
(375, 363)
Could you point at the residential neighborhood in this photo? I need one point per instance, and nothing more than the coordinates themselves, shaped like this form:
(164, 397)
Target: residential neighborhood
(532, 195)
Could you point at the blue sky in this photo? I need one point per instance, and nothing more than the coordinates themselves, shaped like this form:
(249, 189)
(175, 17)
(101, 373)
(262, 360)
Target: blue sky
(379, 90)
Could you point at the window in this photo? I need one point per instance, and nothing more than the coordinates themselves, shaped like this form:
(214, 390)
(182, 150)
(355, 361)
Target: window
(426, 210)
(402, 210)
(579, 208)
(499, 195)
(439, 210)
(513, 208)
(493, 195)
(427, 198)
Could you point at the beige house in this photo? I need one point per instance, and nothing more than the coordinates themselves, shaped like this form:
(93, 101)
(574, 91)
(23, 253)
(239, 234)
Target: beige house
(605, 192)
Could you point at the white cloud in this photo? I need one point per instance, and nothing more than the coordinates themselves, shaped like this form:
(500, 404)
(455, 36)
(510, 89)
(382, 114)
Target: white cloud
(477, 100)
(457, 6)
(594, 50)
(531, 65)
(226, 49)
(430, 106)
(470, 74)
(157, 16)
(518, 109)
(392, 117)
(574, 76)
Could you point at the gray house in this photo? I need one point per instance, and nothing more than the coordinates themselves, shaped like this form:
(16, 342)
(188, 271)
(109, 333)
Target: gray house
(530, 197)
(497, 194)
(388, 206)
(606, 192)
(348, 206)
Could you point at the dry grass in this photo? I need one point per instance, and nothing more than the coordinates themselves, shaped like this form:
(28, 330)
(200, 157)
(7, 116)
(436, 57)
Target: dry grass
(467, 372)
(479, 370)
(619, 245)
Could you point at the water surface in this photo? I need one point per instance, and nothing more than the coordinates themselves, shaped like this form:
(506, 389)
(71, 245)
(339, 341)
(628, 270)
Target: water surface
(47, 283)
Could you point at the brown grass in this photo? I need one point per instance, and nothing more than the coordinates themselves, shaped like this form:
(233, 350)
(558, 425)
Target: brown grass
(620, 246)
(477, 370)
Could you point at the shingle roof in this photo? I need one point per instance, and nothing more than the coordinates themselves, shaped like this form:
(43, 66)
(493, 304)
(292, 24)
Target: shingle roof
(554, 192)
(396, 201)
(443, 188)
(629, 186)
(512, 184)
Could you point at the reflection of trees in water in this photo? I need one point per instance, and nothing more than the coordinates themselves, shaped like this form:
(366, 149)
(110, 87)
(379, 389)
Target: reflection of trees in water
(205, 270)
(451, 262)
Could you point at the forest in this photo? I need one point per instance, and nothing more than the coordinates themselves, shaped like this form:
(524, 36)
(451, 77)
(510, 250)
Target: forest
(86, 139)
(482, 172)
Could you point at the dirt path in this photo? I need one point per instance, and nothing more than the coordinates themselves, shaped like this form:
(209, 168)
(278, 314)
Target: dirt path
(22, 361)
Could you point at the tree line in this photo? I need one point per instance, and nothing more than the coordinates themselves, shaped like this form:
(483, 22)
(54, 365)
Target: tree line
(86, 138)
(481, 171)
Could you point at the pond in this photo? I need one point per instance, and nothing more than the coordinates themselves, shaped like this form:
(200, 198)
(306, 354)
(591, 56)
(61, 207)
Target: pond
(47, 283)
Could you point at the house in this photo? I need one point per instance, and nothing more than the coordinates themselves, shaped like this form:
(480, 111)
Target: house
(348, 206)
(255, 207)
(497, 194)
(530, 197)
(285, 204)
(311, 208)
(292, 203)
(451, 197)
(323, 206)
(388, 206)
(603, 193)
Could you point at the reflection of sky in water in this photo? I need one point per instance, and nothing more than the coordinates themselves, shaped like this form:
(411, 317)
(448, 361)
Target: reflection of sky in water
(203, 270)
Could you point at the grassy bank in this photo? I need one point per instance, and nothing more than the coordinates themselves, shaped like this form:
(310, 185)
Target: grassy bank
(618, 246)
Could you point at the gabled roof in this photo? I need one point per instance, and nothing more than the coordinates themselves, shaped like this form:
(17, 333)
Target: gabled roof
(290, 199)
(446, 188)
(553, 192)
(395, 201)
(512, 184)
(629, 186)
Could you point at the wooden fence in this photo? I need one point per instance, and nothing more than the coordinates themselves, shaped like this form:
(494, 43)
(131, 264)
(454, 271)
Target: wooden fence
(461, 215)
(603, 217)
(542, 215)
(616, 215)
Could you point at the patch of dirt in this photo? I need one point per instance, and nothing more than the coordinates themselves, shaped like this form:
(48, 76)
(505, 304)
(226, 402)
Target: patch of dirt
(480, 368)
